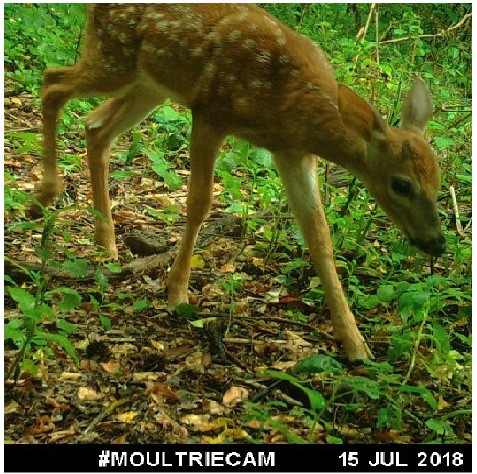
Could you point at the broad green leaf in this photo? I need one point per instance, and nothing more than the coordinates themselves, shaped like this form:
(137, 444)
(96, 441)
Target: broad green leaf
(61, 341)
(69, 301)
(318, 363)
(66, 326)
(185, 310)
(24, 299)
(423, 392)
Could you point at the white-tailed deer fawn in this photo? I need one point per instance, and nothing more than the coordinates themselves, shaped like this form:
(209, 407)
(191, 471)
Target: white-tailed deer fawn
(243, 73)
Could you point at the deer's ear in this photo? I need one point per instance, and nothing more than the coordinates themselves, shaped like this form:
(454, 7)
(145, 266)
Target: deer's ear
(360, 116)
(417, 107)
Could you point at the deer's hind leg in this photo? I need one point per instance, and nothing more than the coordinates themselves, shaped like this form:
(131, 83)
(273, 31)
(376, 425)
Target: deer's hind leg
(103, 125)
(59, 86)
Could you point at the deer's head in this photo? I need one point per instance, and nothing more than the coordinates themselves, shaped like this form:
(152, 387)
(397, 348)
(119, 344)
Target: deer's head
(400, 169)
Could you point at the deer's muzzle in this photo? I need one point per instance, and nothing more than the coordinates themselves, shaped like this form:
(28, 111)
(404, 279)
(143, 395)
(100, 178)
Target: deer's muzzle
(434, 247)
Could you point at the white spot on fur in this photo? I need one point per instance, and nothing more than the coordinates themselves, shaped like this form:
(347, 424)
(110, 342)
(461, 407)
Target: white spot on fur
(264, 57)
(91, 124)
(234, 35)
(197, 52)
(249, 43)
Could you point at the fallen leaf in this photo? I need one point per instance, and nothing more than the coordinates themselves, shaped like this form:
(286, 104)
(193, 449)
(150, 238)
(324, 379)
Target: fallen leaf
(168, 422)
(234, 395)
(441, 403)
(127, 417)
(60, 434)
(161, 393)
(119, 440)
(43, 425)
(88, 394)
(296, 341)
(197, 261)
(228, 268)
(12, 407)
(111, 367)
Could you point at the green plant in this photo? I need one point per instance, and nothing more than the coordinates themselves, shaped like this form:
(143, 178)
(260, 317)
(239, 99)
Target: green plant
(31, 331)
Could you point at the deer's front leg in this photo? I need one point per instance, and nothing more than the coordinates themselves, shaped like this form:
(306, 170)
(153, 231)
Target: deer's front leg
(299, 178)
(204, 144)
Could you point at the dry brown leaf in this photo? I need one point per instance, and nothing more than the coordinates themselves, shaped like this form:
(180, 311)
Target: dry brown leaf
(12, 407)
(228, 268)
(111, 367)
(284, 365)
(296, 341)
(161, 393)
(146, 376)
(119, 440)
(70, 376)
(195, 362)
(159, 346)
(235, 395)
(43, 425)
(88, 394)
(60, 434)
(213, 407)
(168, 422)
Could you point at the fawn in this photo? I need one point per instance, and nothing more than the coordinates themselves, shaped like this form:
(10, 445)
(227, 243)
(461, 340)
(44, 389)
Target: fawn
(244, 73)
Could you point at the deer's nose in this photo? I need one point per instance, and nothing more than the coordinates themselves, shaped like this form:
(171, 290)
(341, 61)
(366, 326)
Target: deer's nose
(434, 247)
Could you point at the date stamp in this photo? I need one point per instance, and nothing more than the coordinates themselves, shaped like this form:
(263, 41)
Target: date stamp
(402, 459)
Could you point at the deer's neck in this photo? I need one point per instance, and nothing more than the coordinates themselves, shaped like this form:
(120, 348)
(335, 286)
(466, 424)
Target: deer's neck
(333, 140)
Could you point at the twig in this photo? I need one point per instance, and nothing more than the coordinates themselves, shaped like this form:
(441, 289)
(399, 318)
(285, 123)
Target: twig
(376, 18)
(106, 412)
(435, 35)
(362, 32)
(458, 224)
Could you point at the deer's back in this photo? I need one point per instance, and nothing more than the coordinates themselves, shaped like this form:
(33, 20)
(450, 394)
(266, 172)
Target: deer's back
(237, 62)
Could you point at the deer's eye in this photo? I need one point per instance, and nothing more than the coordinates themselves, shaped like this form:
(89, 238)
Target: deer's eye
(401, 186)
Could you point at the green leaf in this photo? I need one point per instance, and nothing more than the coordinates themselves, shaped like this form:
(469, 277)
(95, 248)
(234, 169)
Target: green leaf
(120, 174)
(442, 428)
(317, 400)
(200, 323)
(186, 310)
(443, 142)
(363, 384)
(61, 341)
(77, 267)
(386, 293)
(29, 366)
(114, 267)
(423, 392)
(24, 299)
(66, 326)
(12, 331)
(141, 304)
(318, 363)
(69, 301)
(105, 321)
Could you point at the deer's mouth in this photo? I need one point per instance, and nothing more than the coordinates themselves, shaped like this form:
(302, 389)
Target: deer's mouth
(434, 247)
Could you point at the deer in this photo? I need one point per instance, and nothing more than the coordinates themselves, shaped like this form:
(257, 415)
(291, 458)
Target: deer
(243, 73)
